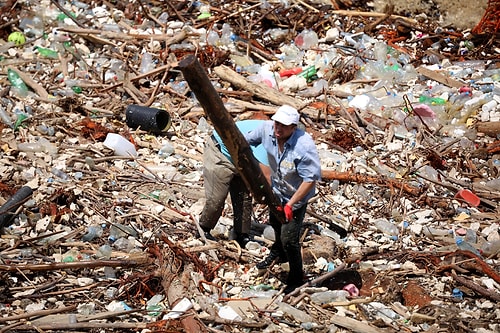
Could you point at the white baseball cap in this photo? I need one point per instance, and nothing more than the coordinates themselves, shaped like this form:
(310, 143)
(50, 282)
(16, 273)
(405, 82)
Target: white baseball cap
(286, 115)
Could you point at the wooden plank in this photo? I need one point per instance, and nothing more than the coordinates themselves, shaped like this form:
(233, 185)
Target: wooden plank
(440, 77)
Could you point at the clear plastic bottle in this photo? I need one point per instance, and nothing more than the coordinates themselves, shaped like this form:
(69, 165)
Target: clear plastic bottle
(329, 296)
(490, 248)
(60, 174)
(5, 117)
(463, 245)
(93, 231)
(386, 227)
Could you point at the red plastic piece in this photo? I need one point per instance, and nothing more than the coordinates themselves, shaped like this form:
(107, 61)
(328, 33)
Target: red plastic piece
(469, 197)
(290, 71)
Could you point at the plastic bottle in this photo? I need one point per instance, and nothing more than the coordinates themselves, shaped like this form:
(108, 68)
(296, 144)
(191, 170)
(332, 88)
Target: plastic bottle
(306, 39)
(147, 63)
(60, 174)
(309, 73)
(471, 236)
(386, 227)
(93, 231)
(434, 232)
(329, 296)
(490, 248)
(227, 35)
(6, 117)
(466, 246)
(47, 53)
(17, 83)
(42, 145)
(489, 106)
(431, 100)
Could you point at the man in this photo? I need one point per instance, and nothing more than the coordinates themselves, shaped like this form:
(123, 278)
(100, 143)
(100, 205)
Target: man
(295, 169)
(221, 177)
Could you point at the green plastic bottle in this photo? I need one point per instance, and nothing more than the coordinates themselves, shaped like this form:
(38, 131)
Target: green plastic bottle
(47, 53)
(431, 100)
(16, 82)
(309, 73)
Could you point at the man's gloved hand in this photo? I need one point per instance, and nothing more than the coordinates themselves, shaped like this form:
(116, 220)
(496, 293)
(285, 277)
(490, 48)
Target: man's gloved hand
(288, 212)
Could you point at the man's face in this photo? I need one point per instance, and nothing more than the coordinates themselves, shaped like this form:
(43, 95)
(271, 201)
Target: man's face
(283, 132)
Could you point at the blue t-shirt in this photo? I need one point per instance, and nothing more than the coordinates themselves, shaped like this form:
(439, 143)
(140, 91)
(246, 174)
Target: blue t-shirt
(299, 162)
(245, 126)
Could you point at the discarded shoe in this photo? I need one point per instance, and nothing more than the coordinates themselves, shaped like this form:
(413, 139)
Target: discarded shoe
(243, 239)
(264, 264)
(291, 287)
(208, 235)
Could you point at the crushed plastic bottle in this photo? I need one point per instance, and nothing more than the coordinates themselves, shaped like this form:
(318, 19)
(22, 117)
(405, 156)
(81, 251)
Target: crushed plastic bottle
(431, 100)
(386, 227)
(47, 53)
(59, 174)
(5, 117)
(295, 313)
(324, 297)
(463, 245)
(41, 146)
(490, 248)
(17, 83)
(93, 232)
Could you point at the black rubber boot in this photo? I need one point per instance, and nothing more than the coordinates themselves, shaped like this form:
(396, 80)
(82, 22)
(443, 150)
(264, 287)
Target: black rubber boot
(273, 256)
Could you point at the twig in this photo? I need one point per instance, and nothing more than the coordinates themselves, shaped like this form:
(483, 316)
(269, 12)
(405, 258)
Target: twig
(69, 265)
(483, 291)
(37, 313)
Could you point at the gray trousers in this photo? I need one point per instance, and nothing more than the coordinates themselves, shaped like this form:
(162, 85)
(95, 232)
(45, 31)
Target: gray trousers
(221, 178)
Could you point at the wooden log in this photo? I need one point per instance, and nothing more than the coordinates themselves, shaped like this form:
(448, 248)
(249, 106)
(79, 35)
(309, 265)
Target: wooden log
(358, 178)
(491, 128)
(239, 149)
(261, 91)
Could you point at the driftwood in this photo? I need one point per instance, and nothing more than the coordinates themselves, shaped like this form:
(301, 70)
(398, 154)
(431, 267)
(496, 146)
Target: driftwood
(261, 91)
(240, 151)
(491, 128)
(355, 325)
(439, 77)
(379, 180)
(70, 265)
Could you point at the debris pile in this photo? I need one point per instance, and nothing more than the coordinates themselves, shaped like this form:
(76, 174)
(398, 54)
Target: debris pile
(101, 158)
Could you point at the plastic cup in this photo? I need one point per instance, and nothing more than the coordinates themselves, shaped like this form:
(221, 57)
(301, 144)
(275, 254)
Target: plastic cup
(148, 119)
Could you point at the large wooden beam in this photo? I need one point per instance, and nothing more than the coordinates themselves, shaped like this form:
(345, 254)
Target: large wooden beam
(238, 147)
